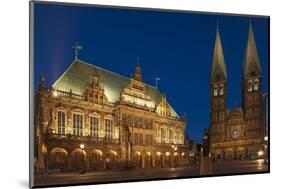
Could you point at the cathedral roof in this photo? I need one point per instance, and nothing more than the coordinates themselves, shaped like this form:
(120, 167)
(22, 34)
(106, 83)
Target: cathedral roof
(251, 53)
(218, 57)
(79, 74)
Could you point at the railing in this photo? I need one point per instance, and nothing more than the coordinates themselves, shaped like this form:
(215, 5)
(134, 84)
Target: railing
(69, 95)
(82, 138)
(64, 94)
(138, 106)
(168, 144)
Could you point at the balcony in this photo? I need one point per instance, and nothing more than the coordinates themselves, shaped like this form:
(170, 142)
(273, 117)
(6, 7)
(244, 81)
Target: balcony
(74, 138)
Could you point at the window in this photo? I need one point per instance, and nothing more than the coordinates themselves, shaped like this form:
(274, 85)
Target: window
(179, 136)
(250, 86)
(148, 139)
(163, 135)
(140, 139)
(94, 127)
(61, 123)
(215, 90)
(170, 135)
(108, 128)
(256, 85)
(136, 138)
(136, 122)
(77, 124)
(140, 122)
(221, 89)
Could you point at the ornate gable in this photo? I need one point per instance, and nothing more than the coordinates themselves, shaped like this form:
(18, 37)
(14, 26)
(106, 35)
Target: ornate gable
(163, 108)
(94, 92)
(136, 93)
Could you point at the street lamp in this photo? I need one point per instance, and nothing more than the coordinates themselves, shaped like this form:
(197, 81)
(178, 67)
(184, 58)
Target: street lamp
(260, 153)
(55, 93)
(265, 149)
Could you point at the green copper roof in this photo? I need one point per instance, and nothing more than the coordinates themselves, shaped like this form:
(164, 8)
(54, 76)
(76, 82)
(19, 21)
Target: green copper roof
(218, 57)
(251, 53)
(79, 75)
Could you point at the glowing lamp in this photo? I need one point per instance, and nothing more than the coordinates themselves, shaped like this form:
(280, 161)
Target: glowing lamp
(55, 93)
(82, 146)
(260, 153)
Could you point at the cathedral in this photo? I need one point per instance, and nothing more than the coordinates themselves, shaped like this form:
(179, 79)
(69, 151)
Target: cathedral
(98, 119)
(237, 133)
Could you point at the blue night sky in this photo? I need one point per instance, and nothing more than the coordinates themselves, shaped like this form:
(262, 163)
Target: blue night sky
(176, 46)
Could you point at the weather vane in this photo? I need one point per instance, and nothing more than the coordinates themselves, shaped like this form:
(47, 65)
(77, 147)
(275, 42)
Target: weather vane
(76, 47)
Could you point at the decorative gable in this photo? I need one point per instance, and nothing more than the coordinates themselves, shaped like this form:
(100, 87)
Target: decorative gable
(163, 108)
(94, 92)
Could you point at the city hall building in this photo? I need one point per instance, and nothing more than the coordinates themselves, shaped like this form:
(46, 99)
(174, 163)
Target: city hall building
(93, 117)
(238, 133)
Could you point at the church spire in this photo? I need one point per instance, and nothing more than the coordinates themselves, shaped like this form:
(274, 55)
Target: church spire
(251, 54)
(218, 57)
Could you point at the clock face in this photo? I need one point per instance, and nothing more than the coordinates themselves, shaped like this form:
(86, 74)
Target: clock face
(235, 133)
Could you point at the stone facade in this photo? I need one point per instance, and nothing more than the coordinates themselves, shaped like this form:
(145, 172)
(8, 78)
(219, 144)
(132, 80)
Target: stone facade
(100, 120)
(237, 133)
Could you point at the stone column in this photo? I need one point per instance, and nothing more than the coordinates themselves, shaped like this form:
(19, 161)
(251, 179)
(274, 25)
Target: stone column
(142, 160)
(69, 118)
(172, 160)
(69, 162)
(87, 160)
(104, 159)
(153, 160)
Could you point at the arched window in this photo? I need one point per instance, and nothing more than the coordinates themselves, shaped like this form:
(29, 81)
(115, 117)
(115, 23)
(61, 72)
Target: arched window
(256, 85)
(215, 90)
(61, 122)
(250, 86)
(221, 89)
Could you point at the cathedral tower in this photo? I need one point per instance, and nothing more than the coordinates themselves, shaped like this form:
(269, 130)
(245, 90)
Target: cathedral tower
(252, 88)
(218, 92)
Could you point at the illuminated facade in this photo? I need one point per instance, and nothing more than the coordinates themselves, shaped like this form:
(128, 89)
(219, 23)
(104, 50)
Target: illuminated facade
(100, 119)
(237, 133)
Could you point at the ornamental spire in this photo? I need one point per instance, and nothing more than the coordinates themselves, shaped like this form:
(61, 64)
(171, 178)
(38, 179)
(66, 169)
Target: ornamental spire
(251, 57)
(218, 57)
(137, 73)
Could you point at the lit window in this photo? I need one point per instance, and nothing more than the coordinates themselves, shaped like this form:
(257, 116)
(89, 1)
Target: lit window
(163, 135)
(61, 122)
(250, 86)
(108, 128)
(256, 85)
(94, 126)
(77, 124)
(215, 90)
